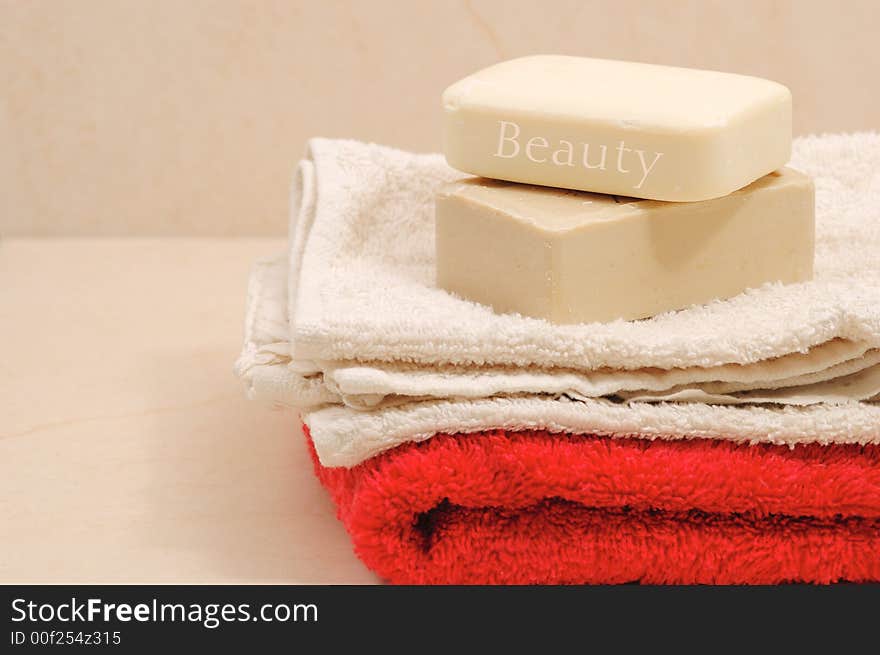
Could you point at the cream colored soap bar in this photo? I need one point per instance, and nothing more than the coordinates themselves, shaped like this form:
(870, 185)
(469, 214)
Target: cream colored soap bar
(573, 257)
(617, 127)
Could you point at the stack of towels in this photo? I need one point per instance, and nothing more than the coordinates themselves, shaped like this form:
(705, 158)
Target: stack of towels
(732, 442)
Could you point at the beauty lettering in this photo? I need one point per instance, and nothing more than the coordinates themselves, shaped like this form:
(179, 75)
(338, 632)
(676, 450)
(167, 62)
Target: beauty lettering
(537, 149)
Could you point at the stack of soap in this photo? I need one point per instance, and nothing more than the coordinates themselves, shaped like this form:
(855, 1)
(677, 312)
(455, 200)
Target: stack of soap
(666, 189)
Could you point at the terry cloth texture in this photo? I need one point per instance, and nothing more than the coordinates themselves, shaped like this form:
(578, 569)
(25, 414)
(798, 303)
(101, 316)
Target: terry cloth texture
(836, 370)
(531, 507)
(362, 275)
(350, 316)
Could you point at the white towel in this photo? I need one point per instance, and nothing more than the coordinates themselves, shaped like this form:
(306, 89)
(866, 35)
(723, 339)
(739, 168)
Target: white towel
(364, 315)
(344, 436)
(833, 371)
(362, 267)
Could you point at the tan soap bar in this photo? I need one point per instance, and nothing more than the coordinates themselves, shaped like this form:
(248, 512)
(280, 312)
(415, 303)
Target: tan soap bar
(573, 257)
(617, 127)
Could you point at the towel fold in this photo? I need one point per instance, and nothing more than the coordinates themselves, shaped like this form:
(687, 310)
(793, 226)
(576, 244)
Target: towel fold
(344, 436)
(349, 327)
(835, 370)
(531, 507)
(361, 283)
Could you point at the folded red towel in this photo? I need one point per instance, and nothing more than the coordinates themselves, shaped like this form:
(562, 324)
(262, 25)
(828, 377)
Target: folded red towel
(531, 507)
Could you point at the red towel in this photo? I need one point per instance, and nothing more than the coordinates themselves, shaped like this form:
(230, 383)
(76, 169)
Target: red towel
(531, 507)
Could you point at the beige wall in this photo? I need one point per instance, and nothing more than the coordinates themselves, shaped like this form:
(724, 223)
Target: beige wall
(186, 117)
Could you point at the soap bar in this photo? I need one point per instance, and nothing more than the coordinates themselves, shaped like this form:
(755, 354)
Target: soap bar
(616, 127)
(576, 257)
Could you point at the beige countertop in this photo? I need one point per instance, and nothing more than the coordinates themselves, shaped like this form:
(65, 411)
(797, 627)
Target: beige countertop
(127, 450)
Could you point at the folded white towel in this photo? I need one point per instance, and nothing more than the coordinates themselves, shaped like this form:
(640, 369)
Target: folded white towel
(834, 371)
(344, 436)
(360, 289)
(362, 271)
